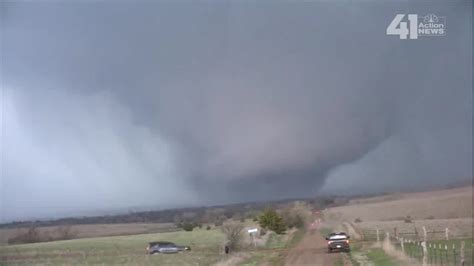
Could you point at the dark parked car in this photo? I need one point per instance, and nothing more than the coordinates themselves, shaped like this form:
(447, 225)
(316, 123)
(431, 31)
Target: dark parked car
(165, 247)
(338, 241)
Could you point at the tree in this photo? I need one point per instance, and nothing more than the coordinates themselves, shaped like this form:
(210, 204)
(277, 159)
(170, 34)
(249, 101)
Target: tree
(272, 221)
(296, 214)
(211, 215)
(233, 233)
(187, 226)
(31, 235)
(219, 221)
(65, 232)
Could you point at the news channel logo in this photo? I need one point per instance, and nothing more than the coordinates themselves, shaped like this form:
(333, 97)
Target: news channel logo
(413, 26)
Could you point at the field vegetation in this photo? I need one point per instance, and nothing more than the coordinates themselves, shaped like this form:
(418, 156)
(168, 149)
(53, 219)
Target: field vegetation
(206, 248)
(206, 240)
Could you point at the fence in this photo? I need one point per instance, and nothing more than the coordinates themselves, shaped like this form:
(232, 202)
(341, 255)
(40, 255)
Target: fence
(415, 234)
(437, 253)
(427, 250)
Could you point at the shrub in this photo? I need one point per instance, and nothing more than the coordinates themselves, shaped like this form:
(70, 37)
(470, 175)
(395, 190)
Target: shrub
(296, 214)
(357, 220)
(31, 235)
(219, 221)
(407, 219)
(233, 233)
(208, 227)
(186, 226)
(65, 232)
(272, 221)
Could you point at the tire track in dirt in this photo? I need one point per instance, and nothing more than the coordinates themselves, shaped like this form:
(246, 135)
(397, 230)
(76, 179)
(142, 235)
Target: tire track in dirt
(311, 250)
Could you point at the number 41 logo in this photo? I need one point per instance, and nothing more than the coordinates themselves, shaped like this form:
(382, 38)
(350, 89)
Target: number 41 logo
(399, 27)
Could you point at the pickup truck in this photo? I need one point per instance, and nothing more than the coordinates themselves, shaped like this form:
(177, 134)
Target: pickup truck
(338, 241)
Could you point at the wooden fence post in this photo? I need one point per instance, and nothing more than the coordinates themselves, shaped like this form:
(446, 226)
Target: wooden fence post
(387, 241)
(378, 237)
(422, 253)
(438, 255)
(424, 234)
(425, 253)
(441, 253)
(447, 254)
(462, 253)
(429, 253)
(454, 254)
(447, 234)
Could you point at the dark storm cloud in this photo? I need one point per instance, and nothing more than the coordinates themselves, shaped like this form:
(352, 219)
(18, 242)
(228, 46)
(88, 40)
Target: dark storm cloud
(157, 104)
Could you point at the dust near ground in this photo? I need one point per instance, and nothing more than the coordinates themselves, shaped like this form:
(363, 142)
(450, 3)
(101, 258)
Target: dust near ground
(312, 250)
(439, 204)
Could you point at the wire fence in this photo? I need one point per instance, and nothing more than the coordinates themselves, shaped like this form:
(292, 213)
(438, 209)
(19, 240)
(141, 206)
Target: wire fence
(442, 252)
(429, 247)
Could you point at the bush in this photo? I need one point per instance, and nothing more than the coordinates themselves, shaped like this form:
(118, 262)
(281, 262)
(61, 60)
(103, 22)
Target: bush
(357, 220)
(272, 221)
(208, 227)
(186, 226)
(298, 221)
(31, 235)
(296, 215)
(219, 221)
(65, 232)
(233, 233)
(407, 219)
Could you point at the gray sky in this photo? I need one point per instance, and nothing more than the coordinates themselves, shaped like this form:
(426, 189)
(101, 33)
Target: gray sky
(110, 106)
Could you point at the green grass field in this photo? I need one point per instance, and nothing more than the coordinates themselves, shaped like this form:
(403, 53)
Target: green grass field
(445, 254)
(380, 258)
(275, 241)
(274, 257)
(206, 248)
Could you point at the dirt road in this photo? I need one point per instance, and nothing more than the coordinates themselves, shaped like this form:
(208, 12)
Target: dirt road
(312, 250)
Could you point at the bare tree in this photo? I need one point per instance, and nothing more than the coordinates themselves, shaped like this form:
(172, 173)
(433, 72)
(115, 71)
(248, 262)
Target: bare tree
(30, 235)
(233, 232)
(65, 232)
(296, 214)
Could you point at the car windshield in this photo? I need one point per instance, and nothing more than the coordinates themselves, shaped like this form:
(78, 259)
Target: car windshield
(337, 237)
(161, 244)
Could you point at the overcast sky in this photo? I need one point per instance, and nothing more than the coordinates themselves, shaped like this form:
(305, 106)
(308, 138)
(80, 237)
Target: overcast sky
(113, 106)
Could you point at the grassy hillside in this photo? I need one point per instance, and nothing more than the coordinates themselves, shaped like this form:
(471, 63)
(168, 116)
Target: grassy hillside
(441, 204)
(126, 250)
(94, 230)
